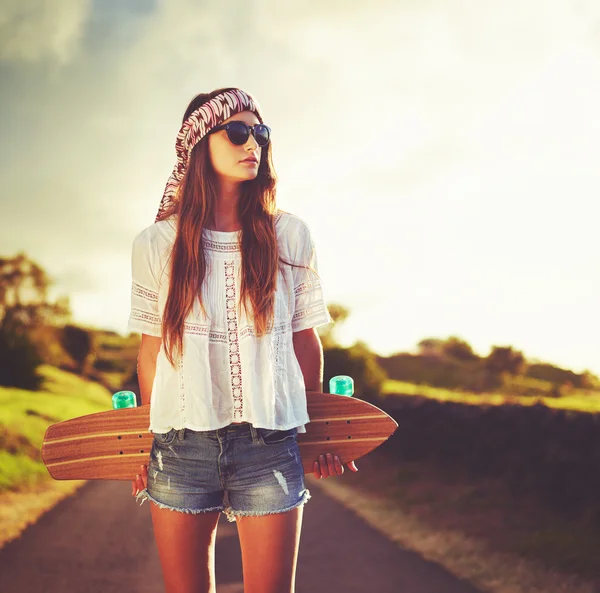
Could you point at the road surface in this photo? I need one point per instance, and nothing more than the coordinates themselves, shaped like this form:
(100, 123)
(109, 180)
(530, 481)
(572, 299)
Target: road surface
(100, 541)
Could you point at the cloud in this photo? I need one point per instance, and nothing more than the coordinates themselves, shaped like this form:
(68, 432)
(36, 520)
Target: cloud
(447, 122)
(37, 30)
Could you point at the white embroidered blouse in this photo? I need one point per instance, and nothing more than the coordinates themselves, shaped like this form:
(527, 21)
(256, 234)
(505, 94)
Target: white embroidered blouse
(226, 373)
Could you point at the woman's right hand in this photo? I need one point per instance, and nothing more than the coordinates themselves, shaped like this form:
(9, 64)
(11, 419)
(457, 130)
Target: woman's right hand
(140, 482)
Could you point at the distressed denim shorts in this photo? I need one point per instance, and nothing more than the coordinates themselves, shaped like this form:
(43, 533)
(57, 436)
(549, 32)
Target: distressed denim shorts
(260, 470)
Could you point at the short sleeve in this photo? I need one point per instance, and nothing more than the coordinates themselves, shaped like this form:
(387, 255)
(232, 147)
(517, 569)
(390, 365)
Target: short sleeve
(144, 316)
(310, 309)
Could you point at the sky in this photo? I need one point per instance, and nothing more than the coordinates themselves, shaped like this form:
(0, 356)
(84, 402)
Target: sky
(443, 153)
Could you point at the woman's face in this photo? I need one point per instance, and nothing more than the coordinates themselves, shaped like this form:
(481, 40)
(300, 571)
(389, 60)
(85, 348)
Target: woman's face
(227, 158)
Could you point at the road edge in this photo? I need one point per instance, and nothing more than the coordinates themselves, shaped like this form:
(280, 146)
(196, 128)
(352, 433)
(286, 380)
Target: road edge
(466, 558)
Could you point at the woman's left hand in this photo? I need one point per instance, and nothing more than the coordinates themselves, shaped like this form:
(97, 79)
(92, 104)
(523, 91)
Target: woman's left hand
(328, 466)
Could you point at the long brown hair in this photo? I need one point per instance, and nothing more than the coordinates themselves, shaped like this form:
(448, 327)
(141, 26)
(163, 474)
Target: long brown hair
(194, 205)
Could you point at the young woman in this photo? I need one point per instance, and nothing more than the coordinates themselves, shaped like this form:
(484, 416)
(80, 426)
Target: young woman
(226, 295)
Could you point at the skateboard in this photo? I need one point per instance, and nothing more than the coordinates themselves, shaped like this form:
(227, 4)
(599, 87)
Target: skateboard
(112, 445)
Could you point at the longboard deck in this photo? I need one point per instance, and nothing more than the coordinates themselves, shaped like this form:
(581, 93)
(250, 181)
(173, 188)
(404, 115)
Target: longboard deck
(112, 445)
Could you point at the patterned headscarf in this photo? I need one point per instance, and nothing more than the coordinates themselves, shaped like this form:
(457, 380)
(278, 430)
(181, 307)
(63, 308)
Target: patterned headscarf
(196, 126)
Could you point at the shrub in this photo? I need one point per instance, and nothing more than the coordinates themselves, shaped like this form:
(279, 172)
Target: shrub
(360, 364)
(79, 343)
(19, 360)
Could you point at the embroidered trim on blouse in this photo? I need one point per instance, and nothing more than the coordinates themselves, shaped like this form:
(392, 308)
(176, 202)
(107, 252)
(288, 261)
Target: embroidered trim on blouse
(220, 246)
(247, 331)
(142, 291)
(227, 246)
(217, 337)
(145, 317)
(281, 327)
(277, 349)
(195, 328)
(306, 286)
(308, 312)
(235, 366)
(181, 390)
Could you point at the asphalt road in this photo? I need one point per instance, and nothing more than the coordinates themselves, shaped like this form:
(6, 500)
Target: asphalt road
(100, 541)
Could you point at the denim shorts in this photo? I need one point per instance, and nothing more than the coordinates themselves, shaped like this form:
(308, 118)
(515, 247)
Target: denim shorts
(260, 470)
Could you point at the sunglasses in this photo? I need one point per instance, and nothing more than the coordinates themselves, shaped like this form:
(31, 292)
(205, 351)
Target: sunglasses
(238, 132)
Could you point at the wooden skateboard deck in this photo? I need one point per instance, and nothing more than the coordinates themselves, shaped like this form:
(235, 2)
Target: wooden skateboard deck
(112, 445)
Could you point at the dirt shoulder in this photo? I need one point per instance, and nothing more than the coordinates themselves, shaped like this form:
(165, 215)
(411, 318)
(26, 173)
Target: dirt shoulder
(474, 530)
(20, 509)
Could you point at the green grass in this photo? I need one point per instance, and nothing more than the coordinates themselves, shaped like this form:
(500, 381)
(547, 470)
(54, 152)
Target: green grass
(21, 471)
(580, 400)
(28, 413)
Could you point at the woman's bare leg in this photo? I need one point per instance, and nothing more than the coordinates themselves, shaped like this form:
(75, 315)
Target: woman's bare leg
(269, 545)
(186, 548)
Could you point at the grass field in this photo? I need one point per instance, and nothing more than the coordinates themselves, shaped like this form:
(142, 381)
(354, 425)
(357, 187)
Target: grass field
(25, 415)
(580, 400)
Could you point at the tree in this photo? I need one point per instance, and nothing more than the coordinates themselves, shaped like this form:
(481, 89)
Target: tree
(24, 307)
(359, 363)
(589, 380)
(24, 294)
(458, 349)
(19, 360)
(79, 344)
(503, 359)
(433, 347)
(339, 314)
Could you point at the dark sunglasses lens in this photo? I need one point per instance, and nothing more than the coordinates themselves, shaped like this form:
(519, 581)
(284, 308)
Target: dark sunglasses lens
(238, 132)
(261, 134)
